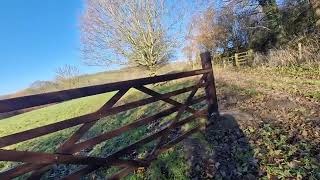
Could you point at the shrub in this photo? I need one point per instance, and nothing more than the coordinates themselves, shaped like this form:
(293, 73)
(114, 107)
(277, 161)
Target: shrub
(290, 55)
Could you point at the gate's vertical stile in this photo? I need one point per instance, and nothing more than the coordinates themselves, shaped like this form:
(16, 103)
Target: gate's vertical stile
(35, 164)
(210, 89)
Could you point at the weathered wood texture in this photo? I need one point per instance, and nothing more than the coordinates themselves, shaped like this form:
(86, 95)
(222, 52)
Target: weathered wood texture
(210, 88)
(18, 103)
(238, 59)
(37, 163)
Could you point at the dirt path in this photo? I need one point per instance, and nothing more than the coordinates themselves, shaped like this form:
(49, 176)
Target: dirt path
(280, 137)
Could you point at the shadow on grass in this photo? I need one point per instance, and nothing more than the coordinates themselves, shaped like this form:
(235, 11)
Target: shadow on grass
(223, 153)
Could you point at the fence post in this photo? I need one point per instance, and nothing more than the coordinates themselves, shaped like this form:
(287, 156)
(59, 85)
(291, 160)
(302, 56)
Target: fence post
(251, 57)
(236, 59)
(210, 89)
(300, 51)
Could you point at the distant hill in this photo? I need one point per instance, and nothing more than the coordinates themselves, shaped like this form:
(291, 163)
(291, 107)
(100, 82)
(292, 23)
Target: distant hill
(126, 73)
(90, 79)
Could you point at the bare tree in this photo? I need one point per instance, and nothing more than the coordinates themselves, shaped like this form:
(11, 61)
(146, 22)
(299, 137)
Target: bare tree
(42, 87)
(131, 32)
(189, 51)
(67, 77)
(205, 32)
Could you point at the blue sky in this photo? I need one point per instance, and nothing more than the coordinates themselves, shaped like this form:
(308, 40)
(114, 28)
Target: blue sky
(37, 37)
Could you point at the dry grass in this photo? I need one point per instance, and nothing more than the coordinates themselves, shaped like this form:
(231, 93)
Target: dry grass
(290, 55)
(273, 81)
(284, 133)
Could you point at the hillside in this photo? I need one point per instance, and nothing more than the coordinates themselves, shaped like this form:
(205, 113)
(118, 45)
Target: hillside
(274, 131)
(109, 76)
(73, 108)
(91, 79)
(187, 90)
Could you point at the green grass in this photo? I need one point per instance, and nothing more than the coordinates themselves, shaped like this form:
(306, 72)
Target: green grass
(51, 114)
(45, 116)
(74, 108)
(313, 95)
(170, 165)
(296, 71)
(277, 155)
(296, 82)
(125, 73)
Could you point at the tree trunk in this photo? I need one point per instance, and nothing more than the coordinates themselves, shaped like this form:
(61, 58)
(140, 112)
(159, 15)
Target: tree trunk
(316, 6)
(273, 16)
(152, 71)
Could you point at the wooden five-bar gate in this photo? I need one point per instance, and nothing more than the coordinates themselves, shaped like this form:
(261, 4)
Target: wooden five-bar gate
(238, 59)
(35, 164)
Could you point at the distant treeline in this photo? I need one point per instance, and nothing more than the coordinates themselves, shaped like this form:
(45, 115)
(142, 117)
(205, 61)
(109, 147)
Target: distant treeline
(262, 25)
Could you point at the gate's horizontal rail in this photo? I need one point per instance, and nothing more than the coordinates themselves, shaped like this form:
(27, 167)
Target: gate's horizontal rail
(25, 168)
(98, 139)
(126, 171)
(38, 163)
(46, 158)
(13, 104)
(40, 131)
(135, 145)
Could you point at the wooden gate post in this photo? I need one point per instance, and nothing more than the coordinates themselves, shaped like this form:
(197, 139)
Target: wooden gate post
(236, 59)
(300, 51)
(251, 57)
(210, 89)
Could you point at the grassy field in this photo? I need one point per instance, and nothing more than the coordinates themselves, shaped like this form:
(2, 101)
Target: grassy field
(51, 114)
(172, 160)
(125, 73)
(278, 140)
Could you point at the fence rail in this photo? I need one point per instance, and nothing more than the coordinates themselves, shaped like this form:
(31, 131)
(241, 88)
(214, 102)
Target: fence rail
(238, 59)
(37, 163)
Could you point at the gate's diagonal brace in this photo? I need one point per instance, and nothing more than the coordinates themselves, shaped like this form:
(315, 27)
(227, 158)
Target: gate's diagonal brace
(134, 146)
(85, 127)
(163, 138)
(26, 167)
(168, 100)
(125, 171)
(79, 133)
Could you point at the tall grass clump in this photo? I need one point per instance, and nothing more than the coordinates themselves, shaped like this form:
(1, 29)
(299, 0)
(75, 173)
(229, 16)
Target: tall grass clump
(307, 57)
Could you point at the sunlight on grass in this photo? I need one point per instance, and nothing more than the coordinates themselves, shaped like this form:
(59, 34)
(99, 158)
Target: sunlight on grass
(52, 114)
(74, 108)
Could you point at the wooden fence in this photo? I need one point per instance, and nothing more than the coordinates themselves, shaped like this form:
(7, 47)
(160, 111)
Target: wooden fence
(35, 164)
(238, 59)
